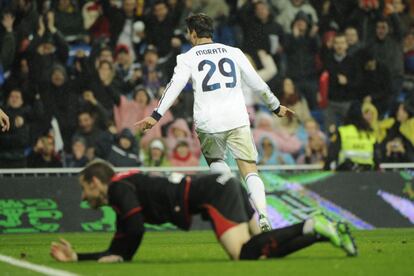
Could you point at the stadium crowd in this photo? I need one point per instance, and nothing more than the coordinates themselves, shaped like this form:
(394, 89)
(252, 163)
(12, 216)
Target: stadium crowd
(75, 75)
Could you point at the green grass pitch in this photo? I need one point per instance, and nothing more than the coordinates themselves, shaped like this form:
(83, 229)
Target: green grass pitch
(382, 252)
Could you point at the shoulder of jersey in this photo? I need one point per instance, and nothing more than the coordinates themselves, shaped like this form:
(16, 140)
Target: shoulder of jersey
(196, 48)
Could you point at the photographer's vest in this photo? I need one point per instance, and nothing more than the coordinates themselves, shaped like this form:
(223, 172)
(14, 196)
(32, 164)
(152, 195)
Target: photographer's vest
(357, 146)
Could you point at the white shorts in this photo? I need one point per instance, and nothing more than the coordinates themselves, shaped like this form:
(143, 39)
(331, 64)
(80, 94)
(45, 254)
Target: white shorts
(239, 141)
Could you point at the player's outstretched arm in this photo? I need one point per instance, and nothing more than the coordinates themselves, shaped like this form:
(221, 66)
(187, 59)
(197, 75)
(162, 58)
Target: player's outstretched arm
(62, 251)
(4, 121)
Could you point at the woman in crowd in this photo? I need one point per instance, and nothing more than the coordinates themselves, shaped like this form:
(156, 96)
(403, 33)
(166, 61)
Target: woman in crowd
(269, 153)
(286, 142)
(293, 100)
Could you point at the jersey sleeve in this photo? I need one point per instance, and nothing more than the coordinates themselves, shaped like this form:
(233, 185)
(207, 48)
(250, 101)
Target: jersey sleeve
(255, 82)
(182, 73)
(129, 223)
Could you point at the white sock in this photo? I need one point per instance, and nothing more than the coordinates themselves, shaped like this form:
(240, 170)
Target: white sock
(257, 192)
(308, 226)
(220, 167)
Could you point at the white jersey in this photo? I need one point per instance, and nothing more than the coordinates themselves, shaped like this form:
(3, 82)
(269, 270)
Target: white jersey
(216, 71)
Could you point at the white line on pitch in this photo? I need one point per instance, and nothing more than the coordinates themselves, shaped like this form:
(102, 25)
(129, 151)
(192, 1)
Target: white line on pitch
(38, 268)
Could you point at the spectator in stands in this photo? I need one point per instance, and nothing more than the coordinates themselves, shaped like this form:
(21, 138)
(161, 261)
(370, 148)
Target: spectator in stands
(267, 73)
(215, 10)
(7, 44)
(105, 87)
(269, 153)
(403, 8)
(129, 72)
(315, 144)
(260, 31)
(130, 111)
(395, 152)
(152, 73)
(124, 151)
(14, 142)
(162, 27)
(157, 155)
(179, 131)
(26, 18)
(102, 116)
(180, 9)
(379, 127)
(326, 50)
(343, 82)
(353, 146)
(182, 155)
(98, 141)
(77, 158)
(301, 47)
(288, 9)
(316, 151)
(61, 101)
(69, 19)
(352, 39)
(104, 54)
(387, 47)
(292, 99)
(121, 21)
(400, 137)
(265, 124)
(43, 154)
(332, 14)
(47, 48)
(20, 77)
(139, 43)
(375, 85)
(364, 18)
(157, 131)
(408, 48)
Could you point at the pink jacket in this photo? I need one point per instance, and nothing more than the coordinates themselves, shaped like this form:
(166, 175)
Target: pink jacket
(127, 113)
(264, 125)
(190, 138)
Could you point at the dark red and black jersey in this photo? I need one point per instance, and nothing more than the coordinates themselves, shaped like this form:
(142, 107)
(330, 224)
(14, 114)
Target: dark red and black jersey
(156, 198)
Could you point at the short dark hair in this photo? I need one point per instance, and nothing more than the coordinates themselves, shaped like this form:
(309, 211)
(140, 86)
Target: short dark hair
(201, 24)
(100, 169)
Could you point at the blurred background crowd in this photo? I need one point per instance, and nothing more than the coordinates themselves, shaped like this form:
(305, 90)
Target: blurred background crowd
(75, 75)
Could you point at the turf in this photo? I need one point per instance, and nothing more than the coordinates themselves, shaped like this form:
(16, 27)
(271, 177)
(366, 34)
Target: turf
(382, 252)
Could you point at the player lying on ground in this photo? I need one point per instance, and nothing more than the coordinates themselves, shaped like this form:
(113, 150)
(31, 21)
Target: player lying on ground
(138, 198)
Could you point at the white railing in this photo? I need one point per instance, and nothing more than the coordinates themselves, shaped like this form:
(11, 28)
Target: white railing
(23, 171)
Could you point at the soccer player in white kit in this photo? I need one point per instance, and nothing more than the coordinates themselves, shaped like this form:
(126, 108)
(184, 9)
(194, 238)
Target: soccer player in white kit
(220, 114)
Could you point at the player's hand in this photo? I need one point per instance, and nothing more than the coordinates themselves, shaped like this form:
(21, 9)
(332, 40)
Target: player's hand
(111, 259)
(4, 121)
(285, 112)
(62, 251)
(146, 123)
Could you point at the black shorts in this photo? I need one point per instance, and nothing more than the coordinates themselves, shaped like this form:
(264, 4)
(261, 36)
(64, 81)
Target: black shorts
(223, 200)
